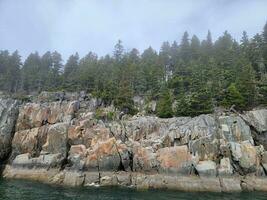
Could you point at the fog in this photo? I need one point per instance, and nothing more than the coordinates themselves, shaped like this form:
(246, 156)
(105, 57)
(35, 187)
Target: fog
(95, 25)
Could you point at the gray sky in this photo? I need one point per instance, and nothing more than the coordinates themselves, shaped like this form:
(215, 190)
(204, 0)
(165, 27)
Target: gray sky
(95, 25)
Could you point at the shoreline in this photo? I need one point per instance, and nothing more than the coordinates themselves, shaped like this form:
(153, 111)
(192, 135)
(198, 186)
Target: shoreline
(138, 181)
(65, 143)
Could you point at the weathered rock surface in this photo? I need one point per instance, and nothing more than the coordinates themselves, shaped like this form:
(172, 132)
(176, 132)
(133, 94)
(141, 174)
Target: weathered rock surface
(258, 118)
(225, 168)
(206, 168)
(175, 160)
(8, 117)
(58, 139)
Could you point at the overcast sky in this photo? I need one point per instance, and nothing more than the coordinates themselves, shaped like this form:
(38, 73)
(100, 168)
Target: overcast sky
(95, 25)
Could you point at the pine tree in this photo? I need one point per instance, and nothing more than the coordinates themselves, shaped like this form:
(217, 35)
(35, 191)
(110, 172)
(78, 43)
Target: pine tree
(185, 48)
(13, 72)
(56, 71)
(30, 72)
(233, 97)
(263, 90)
(165, 59)
(246, 85)
(4, 62)
(164, 104)
(70, 72)
(124, 96)
(207, 45)
(118, 51)
(195, 47)
(245, 43)
(264, 35)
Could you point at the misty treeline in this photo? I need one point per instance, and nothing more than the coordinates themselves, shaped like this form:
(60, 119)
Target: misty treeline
(193, 75)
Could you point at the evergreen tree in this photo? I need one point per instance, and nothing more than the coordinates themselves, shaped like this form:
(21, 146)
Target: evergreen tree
(165, 59)
(264, 35)
(233, 97)
(12, 78)
(263, 90)
(207, 45)
(164, 104)
(70, 72)
(4, 62)
(56, 70)
(197, 76)
(118, 51)
(124, 96)
(255, 55)
(245, 43)
(195, 47)
(185, 48)
(246, 85)
(30, 72)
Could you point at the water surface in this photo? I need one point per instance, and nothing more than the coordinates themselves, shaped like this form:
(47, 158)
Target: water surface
(26, 190)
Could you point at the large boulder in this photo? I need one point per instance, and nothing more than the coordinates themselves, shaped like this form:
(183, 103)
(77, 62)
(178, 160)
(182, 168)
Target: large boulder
(34, 115)
(76, 157)
(144, 159)
(57, 139)
(108, 155)
(87, 132)
(258, 121)
(225, 168)
(234, 129)
(8, 116)
(206, 148)
(29, 141)
(257, 118)
(175, 160)
(183, 130)
(140, 127)
(246, 155)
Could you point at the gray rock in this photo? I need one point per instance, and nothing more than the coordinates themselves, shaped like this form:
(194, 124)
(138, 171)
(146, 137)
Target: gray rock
(264, 160)
(225, 168)
(8, 116)
(43, 161)
(246, 155)
(207, 148)
(73, 179)
(234, 129)
(258, 118)
(206, 168)
(230, 184)
(57, 139)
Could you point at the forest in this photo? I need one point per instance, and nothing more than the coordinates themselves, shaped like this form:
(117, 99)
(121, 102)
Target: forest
(197, 75)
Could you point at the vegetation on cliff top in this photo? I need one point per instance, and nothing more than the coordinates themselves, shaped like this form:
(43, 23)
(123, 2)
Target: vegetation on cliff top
(197, 75)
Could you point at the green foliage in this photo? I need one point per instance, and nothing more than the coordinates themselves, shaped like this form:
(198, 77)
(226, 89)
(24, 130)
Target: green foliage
(124, 98)
(194, 104)
(101, 114)
(233, 97)
(164, 105)
(196, 74)
(263, 90)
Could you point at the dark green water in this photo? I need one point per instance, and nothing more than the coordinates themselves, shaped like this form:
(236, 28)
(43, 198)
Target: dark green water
(24, 190)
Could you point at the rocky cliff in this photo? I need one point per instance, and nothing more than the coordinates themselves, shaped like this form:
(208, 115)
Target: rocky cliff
(58, 138)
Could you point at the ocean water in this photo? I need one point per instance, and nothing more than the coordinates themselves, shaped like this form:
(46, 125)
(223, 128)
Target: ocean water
(26, 190)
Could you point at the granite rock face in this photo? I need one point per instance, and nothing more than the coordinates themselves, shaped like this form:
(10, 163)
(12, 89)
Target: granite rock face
(60, 135)
(8, 117)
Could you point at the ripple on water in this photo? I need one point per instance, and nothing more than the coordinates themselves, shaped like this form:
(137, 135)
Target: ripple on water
(25, 190)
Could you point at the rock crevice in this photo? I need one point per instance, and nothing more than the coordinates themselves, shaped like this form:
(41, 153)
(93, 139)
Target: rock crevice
(62, 141)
